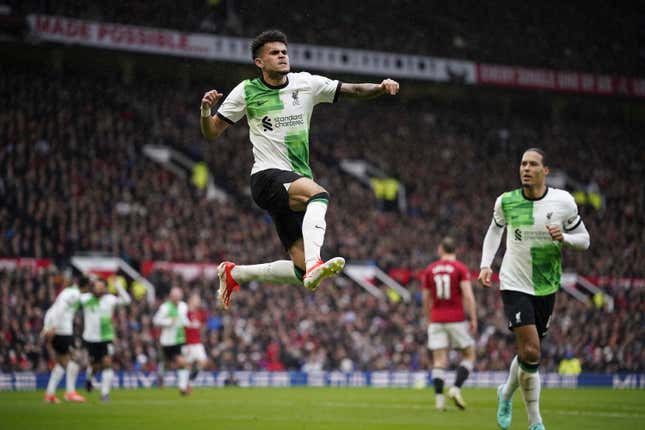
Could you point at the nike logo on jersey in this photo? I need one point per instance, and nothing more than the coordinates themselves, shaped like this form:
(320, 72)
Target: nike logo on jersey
(261, 102)
(320, 227)
(518, 317)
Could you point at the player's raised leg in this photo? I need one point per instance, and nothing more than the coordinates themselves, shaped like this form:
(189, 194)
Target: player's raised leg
(305, 194)
(232, 275)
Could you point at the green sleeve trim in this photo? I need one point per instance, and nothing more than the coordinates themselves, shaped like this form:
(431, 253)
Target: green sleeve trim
(320, 199)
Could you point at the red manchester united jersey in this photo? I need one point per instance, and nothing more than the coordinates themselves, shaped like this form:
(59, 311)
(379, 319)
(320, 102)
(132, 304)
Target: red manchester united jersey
(193, 334)
(443, 279)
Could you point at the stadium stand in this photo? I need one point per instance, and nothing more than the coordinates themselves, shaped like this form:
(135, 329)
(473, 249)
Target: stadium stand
(455, 30)
(73, 178)
(281, 327)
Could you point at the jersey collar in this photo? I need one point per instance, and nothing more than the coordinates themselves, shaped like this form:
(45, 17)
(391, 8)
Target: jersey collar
(274, 87)
(537, 198)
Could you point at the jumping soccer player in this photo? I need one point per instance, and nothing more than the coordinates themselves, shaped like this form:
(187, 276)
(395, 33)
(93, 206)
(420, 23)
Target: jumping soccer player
(278, 107)
(448, 301)
(539, 221)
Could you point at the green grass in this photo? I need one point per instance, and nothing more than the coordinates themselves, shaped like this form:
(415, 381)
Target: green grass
(316, 408)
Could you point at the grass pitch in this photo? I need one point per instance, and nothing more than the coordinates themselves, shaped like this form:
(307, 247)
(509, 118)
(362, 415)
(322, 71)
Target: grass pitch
(315, 408)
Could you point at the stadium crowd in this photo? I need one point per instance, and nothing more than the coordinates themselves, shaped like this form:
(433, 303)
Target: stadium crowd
(457, 29)
(76, 178)
(73, 178)
(339, 327)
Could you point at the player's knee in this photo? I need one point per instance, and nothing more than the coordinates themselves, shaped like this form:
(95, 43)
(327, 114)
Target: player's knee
(180, 362)
(469, 354)
(530, 353)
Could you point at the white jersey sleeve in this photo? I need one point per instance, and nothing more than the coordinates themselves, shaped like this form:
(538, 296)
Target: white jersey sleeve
(325, 90)
(233, 108)
(183, 314)
(161, 318)
(85, 297)
(123, 298)
(572, 217)
(49, 319)
(498, 213)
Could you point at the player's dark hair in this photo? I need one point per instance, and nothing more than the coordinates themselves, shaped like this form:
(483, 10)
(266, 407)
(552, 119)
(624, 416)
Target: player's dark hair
(266, 37)
(448, 245)
(84, 282)
(539, 151)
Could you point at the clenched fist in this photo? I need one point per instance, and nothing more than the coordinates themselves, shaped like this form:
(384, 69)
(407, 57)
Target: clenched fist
(390, 87)
(210, 99)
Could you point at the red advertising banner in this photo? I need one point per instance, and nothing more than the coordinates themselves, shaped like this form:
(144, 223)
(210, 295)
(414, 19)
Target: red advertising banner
(117, 36)
(235, 49)
(553, 80)
(22, 263)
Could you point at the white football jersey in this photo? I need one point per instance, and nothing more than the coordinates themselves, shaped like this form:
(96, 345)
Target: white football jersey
(279, 118)
(61, 314)
(532, 262)
(97, 316)
(172, 318)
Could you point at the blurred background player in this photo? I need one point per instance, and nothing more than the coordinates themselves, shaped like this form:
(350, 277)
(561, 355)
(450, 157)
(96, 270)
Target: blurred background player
(58, 331)
(539, 221)
(447, 302)
(98, 331)
(278, 107)
(172, 317)
(194, 351)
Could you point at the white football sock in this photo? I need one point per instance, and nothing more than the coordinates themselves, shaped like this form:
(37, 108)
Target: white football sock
(72, 374)
(277, 272)
(512, 381)
(54, 379)
(182, 379)
(313, 231)
(530, 387)
(106, 381)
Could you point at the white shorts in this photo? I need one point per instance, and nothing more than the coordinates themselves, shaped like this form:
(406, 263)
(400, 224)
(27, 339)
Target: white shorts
(194, 353)
(449, 335)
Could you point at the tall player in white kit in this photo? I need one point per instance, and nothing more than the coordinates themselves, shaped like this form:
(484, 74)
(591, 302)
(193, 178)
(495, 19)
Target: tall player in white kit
(539, 221)
(278, 107)
(58, 331)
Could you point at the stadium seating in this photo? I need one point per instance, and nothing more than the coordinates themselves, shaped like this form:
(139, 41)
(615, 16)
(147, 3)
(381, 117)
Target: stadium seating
(456, 30)
(73, 178)
(336, 328)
